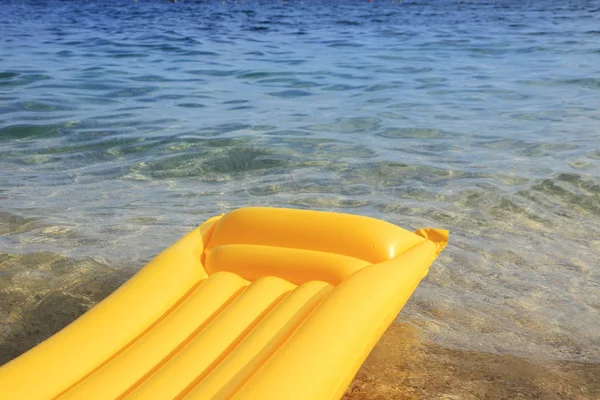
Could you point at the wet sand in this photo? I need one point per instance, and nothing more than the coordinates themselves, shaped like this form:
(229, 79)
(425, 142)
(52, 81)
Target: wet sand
(402, 367)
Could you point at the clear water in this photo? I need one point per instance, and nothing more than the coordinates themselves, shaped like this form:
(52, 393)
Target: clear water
(124, 124)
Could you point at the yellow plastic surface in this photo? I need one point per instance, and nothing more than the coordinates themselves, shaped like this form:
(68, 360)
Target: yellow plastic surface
(261, 303)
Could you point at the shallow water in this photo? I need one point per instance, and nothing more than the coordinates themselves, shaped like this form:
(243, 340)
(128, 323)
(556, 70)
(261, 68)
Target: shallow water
(125, 124)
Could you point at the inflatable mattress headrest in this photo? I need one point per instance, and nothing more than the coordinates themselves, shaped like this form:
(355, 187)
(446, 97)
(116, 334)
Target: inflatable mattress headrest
(355, 236)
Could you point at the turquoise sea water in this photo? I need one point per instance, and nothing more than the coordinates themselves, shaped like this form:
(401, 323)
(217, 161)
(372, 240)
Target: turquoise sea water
(125, 124)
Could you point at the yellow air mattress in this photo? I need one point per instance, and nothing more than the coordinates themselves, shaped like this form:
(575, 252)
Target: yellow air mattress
(260, 303)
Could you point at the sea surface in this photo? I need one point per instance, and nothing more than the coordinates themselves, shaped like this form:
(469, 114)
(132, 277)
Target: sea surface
(124, 124)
